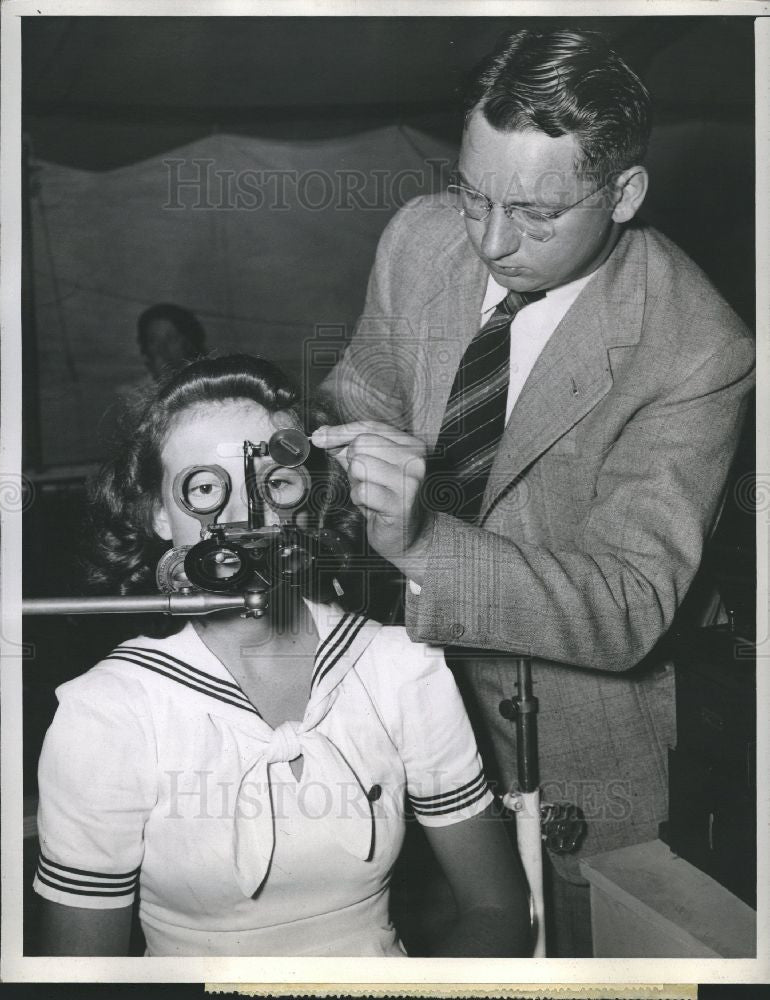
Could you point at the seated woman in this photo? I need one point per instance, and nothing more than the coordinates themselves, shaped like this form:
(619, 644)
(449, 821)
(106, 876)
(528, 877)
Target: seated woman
(248, 776)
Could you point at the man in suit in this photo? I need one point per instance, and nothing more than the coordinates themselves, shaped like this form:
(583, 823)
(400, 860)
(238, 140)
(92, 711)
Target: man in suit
(571, 530)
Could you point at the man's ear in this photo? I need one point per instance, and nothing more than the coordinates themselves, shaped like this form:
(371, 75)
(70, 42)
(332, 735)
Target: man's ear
(161, 524)
(632, 185)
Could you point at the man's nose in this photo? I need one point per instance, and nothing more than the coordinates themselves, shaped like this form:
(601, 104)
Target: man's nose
(501, 236)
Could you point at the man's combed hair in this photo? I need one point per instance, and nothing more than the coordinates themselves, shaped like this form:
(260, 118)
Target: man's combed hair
(125, 495)
(566, 82)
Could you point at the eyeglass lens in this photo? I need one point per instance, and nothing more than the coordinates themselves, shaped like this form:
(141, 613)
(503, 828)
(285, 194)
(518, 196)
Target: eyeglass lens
(477, 207)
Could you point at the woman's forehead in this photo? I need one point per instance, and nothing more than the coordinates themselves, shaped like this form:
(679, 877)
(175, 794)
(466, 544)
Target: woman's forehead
(228, 420)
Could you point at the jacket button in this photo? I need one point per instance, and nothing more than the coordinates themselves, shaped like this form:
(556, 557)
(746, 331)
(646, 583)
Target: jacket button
(456, 630)
(374, 793)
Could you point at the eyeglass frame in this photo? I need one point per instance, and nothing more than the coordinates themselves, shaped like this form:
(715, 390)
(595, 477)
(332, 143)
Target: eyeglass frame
(546, 217)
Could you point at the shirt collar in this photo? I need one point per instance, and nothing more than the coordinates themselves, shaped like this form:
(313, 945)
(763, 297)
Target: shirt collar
(564, 294)
(325, 616)
(342, 638)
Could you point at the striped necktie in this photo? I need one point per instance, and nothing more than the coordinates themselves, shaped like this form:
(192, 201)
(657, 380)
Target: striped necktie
(475, 416)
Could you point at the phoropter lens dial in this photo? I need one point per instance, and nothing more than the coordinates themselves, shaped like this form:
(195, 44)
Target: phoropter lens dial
(218, 566)
(202, 490)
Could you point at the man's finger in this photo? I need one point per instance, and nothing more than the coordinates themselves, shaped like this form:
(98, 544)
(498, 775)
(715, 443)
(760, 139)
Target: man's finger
(340, 435)
(396, 476)
(341, 456)
(372, 498)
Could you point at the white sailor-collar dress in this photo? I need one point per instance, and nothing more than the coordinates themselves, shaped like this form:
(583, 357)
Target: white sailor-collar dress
(159, 773)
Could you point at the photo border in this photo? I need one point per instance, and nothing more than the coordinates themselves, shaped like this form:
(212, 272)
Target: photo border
(370, 975)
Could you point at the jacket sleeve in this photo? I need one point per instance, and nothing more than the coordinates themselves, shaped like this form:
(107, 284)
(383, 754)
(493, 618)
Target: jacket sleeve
(603, 602)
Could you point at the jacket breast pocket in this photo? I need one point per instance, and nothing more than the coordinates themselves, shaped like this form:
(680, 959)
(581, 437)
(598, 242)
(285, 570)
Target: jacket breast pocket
(573, 477)
(568, 486)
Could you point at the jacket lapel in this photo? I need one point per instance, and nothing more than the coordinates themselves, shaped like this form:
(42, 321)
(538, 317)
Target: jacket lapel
(573, 372)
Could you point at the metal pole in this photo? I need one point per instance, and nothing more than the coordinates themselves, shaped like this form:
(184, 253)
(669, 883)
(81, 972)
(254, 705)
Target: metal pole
(525, 801)
(169, 604)
(526, 727)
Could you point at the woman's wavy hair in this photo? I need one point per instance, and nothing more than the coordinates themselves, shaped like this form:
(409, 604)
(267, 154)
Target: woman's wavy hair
(125, 494)
(562, 81)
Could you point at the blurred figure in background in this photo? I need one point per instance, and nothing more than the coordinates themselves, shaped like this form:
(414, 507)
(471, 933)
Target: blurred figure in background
(169, 337)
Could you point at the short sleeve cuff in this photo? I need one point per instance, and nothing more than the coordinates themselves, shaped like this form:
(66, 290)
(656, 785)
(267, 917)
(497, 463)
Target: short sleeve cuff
(453, 805)
(80, 887)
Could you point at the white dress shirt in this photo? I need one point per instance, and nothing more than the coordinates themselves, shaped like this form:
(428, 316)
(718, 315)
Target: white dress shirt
(531, 328)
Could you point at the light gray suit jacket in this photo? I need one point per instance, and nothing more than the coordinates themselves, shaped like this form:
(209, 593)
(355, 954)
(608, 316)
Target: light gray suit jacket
(607, 480)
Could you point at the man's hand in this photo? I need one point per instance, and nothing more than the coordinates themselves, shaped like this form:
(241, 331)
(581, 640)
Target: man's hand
(386, 468)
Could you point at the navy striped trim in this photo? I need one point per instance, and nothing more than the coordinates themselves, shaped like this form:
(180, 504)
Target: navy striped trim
(344, 644)
(331, 639)
(467, 788)
(174, 660)
(181, 672)
(336, 645)
(84, 871)
(93, 884)
(452, 801)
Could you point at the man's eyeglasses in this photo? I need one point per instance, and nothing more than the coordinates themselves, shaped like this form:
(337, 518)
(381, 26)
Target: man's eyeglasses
(475, 205)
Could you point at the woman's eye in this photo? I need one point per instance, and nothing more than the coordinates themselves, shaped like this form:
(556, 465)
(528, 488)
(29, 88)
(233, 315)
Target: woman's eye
(286, 487)
(203, 491)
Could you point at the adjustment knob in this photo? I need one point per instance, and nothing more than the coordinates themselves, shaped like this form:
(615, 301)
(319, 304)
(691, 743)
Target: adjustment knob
(508, 709)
